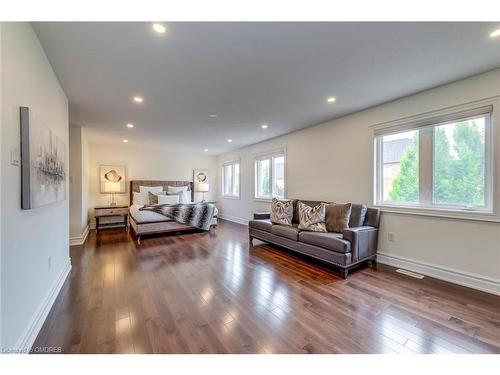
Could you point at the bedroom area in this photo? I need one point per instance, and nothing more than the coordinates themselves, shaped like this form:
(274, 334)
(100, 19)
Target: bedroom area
(244, 192)
(153, 169)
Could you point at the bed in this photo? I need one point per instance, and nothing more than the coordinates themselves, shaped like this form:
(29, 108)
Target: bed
(148, 222)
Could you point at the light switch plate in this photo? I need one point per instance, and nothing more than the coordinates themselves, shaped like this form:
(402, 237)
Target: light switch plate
(15, 156)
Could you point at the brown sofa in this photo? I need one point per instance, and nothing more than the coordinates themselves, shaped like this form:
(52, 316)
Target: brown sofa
(355, 245)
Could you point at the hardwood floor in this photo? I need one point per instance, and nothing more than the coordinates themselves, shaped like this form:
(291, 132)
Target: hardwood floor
(212, 293)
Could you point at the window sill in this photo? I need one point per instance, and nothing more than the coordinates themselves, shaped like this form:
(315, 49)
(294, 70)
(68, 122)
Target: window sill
(441, 213)
(266, 200)
(230, 197)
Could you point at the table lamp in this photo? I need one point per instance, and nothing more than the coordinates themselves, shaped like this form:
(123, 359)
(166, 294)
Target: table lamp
(112, 187)
(203, 188)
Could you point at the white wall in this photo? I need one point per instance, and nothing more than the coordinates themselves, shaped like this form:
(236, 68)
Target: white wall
(85, 179)
(332, 161)
(29, 237)
(78, 184)
(75, 181)
(144, 164)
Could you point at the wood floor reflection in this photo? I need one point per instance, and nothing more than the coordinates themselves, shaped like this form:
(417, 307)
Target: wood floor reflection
(213, 293)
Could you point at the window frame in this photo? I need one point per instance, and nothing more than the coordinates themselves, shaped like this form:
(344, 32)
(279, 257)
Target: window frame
(271, 155)
(426, 123)
(232, 164)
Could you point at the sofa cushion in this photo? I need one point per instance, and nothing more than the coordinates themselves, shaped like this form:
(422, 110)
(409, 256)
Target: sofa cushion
(358, 215)
(261, 224)
(281, 211)
(287, 231)
(296, 218)
(312, 218)
(337, 217)
(330, 241)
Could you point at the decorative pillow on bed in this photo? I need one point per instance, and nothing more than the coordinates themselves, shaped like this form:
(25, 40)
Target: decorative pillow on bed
(168, 199)
(178, 194)
(312, 218)
(153, 198)
(281, 211)
(139, 199)
(185, 197)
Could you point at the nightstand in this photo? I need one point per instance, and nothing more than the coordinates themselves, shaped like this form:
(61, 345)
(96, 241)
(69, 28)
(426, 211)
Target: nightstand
(110, 211)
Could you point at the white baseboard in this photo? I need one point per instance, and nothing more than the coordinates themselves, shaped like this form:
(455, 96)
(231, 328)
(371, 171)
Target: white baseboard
(29, 335)
(234, 219)
(79, 240)
(470, 280)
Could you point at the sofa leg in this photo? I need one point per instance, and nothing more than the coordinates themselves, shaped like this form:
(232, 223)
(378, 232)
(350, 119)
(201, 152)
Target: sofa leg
(374, 263)
(250, 239)
(343, 273)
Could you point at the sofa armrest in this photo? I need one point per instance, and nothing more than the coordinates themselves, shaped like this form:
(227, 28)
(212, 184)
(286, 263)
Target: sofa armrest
(363, 241)
(262, 215)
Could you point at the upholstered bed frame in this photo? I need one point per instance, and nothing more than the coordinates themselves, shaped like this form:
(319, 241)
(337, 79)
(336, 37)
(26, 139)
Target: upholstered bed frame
(134, 186)
(139, 229)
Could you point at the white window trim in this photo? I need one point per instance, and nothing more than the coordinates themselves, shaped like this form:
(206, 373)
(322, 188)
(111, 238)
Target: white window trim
(492, 160)
(231, 163)
(268, 155)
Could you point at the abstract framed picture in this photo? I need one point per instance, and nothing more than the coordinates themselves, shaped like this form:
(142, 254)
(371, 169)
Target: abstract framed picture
(43, 164)
(112, 178)
(200, 176)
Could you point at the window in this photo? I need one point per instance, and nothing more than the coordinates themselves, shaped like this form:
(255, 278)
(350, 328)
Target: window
(270, 176)
(459, 163)
(400, 167)
(231, 179)
(442, 163)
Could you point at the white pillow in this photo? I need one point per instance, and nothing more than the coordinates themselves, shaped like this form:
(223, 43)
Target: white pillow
(168, 199)
(140, 199)
(186, 195)
(176, 189)
(153, 189)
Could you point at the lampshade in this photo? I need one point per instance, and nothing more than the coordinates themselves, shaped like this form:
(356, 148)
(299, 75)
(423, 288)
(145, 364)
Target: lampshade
(203, 187)
(112, 187)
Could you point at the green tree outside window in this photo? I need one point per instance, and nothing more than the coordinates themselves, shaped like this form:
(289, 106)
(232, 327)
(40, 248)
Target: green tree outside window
(459, 177)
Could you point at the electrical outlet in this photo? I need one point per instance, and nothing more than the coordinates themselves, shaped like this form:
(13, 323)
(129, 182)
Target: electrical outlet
(390, 236)
(49, 262)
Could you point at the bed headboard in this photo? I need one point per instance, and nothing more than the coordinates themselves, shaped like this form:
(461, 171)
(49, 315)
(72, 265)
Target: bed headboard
(134, 186)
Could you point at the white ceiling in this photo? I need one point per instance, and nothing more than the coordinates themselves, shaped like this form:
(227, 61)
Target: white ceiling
(249, 73)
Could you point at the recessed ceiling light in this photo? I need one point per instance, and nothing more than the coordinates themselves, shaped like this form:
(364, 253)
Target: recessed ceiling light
(206, 150)
(229, 140)
(130, 126)
(213, 116)
(331, 99)
(138, 99)
(125, 141)
(264, 126)
(159, 28)
(495, 33)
